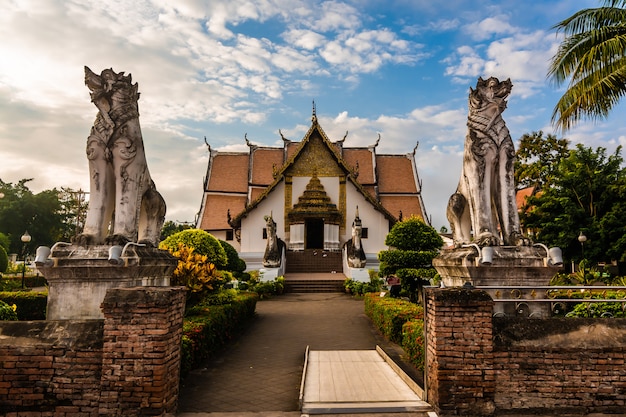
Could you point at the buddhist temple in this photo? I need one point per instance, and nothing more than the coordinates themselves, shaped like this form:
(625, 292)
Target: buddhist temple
(318, 195)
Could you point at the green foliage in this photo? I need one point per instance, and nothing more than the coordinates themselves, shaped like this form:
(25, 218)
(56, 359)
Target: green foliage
(234, 264)
(389, 314)
(30, 305)
(5, 242)
(203, 243)
(590, 61)
(169, 228)
(4, 260)
(597, 310)
(375, 284)
(212, 327)
(7, 312)
(264, 289)
(392, 260)
(197, 274)
(413, 342)
(537, 158)
(588, 194)
(415, 235)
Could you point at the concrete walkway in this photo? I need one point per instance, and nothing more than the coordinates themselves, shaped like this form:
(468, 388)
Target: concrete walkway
(260, 375)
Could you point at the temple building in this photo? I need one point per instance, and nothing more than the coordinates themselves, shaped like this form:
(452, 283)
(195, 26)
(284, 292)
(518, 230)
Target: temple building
(318, 195)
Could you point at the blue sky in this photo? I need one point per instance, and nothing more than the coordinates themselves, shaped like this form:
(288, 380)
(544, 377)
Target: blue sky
(222, 69)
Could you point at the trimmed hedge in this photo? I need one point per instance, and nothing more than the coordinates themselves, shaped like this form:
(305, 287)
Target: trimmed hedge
(208, 328)
(413, 342)
(390, 314)
(30, 305)
(407, 258)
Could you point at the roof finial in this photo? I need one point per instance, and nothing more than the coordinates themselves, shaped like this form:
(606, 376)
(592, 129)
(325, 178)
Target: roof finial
(314, 116)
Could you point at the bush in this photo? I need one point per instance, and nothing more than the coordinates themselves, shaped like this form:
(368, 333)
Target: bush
(390, 314)
(211, 327)
(234, 263)
(413, 342)
(30, 305)
(197, 274)
(203, 243)
(7, 312)
(413, 234)
(4, 260)
(265, 289)
(361, 288)
(597, 310)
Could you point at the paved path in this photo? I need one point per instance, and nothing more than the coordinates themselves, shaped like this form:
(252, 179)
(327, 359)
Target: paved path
(260, 375)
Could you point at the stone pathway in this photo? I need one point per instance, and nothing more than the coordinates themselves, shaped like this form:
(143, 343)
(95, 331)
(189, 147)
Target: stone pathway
(261, 373)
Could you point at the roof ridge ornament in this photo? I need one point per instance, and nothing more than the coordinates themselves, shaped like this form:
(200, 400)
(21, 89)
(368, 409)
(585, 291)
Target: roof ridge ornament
(314, 115)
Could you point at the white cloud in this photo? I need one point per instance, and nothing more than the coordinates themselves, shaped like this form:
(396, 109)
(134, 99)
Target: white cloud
(489, 27)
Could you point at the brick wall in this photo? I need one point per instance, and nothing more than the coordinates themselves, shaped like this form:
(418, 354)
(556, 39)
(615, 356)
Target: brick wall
(141, 359)
(459, 352)
(479, 366)
(127, 364)
(50, 367)
(564, 365)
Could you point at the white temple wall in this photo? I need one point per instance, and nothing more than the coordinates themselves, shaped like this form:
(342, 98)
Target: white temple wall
(376, 223)
(252, 226)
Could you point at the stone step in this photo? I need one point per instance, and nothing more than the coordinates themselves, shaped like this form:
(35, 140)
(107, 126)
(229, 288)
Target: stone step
(314, 286)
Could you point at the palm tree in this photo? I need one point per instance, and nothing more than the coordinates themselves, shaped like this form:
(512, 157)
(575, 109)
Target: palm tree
(593, 58)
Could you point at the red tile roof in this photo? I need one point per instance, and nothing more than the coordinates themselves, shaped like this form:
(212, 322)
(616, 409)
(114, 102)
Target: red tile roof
(229, 172)
(395, 174)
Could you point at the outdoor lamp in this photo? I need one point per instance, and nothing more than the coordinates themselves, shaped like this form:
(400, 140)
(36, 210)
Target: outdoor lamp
(25, 239)
(582, 239)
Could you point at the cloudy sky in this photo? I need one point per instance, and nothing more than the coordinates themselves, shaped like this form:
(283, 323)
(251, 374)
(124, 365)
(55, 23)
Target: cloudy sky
(221, 69)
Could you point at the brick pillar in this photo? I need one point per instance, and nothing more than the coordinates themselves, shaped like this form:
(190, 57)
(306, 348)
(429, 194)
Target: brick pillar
(141, 351)
(459, 346)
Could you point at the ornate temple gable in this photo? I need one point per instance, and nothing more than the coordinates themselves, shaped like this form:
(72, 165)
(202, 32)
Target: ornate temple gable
(316, 157)
(315, 153)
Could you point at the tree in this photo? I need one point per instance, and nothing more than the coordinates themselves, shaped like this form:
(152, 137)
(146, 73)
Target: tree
(592, 59)
(413, 244)
(170, 227)
(587, 194)
(39, 214)
(537, 158)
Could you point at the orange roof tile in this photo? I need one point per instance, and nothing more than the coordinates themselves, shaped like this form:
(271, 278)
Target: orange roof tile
(364, 159)
(395, 174)
(264, 162)
(409, 205)
(229, 172)
(522, 195)
(216, 210)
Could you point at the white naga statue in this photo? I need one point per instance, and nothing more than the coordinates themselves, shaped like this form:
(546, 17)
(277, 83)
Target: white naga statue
(124, 205)
(484, 201)
(354, 247)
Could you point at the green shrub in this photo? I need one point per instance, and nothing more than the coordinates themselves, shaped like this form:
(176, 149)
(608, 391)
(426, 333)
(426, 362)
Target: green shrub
(234, 263)
(413, 342)
(360, 288)
(4, 260)
(203, 243)
(30, 305)
(265, 289)
(211, 327)
(7, 312)
(414, 235)
(389, 314)
(597, 310)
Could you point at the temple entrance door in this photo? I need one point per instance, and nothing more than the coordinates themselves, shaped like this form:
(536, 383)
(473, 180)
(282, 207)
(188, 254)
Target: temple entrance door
(314, 231)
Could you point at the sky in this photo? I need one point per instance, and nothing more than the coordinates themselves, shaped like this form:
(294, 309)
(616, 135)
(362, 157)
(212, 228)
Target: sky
(220, 69)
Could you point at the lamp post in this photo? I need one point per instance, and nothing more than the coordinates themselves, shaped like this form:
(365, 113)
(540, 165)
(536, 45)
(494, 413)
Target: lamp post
(25, 239)
(582, 239)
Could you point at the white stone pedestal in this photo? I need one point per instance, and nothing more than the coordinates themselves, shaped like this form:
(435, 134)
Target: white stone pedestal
(79, 277)
(510, 266)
